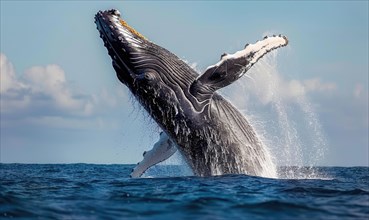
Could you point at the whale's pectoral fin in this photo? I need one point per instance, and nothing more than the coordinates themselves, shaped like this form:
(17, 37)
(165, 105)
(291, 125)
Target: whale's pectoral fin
(161, 151)
(233, 66)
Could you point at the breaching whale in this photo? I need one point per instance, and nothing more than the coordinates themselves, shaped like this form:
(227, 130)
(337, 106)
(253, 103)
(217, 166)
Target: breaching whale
(211, 134)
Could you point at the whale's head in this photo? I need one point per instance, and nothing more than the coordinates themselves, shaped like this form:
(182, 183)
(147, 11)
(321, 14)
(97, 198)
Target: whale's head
(124, 44)
(164, 84)
(155, 76)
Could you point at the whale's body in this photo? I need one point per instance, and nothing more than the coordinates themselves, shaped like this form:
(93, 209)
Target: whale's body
(210, 133)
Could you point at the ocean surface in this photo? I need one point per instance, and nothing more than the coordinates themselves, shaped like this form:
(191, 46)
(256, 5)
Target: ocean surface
(88, 191)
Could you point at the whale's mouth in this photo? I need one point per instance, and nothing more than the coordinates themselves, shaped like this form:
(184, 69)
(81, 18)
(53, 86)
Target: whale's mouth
(123, 43)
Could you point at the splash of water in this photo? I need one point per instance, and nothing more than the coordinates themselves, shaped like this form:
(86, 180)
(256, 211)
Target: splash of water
(283, 117)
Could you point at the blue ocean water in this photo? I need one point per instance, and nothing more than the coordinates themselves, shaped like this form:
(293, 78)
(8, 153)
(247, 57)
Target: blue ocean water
(87, 191)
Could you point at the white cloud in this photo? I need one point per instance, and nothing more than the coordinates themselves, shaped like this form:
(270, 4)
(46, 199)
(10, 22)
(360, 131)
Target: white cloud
(44, 91)
(51, 81)
(315, 85)
(8, 77)
(268, 85)
(10, 87)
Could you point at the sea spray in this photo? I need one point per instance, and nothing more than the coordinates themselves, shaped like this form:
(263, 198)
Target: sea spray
(283, 117)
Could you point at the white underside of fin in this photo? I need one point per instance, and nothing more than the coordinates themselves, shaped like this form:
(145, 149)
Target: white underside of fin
(253, 52)
(162, 150)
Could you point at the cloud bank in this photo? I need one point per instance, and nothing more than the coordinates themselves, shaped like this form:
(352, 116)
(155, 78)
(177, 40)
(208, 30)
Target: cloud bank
(42, 89)
(43, 95)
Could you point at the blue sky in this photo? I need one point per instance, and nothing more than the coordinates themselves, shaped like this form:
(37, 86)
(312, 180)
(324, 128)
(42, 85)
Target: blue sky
(61, 101)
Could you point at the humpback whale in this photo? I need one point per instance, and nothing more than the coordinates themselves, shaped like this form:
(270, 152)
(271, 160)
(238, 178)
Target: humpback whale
(209, 132)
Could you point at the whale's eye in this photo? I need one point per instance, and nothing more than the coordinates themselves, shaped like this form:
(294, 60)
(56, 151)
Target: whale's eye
(148, 76)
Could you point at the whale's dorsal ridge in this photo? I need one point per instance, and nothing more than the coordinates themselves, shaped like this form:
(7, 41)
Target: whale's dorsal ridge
(233, 66)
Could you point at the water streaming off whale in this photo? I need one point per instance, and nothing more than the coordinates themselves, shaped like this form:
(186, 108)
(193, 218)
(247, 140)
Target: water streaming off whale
(211, 134)
(295, 142)
(287, 123)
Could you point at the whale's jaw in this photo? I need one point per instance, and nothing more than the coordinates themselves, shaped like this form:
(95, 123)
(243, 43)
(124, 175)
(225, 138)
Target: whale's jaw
(122, 42)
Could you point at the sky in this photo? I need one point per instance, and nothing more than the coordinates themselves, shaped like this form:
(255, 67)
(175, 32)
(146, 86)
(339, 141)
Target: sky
(62, 103)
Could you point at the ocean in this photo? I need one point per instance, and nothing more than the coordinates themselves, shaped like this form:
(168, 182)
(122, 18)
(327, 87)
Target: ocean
(89, 191)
